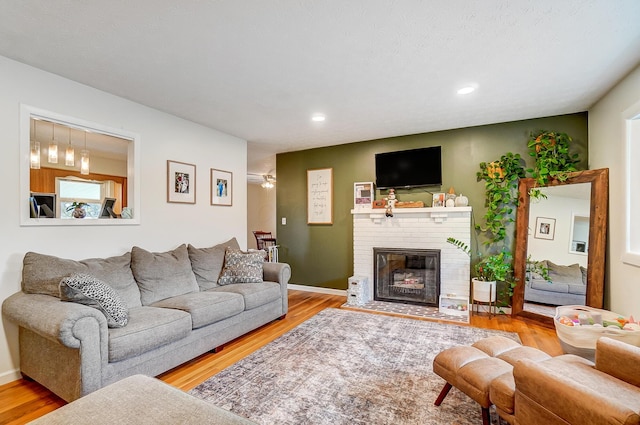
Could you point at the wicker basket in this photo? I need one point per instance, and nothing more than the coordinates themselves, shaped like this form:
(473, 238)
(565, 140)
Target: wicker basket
(581, 340)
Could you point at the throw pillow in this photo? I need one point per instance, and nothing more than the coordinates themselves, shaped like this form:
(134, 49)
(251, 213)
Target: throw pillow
(569, 275)
(242, 267)
(162, 275)
(207, 262)
(88, 290)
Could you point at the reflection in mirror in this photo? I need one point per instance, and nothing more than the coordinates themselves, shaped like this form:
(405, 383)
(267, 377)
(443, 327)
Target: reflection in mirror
(558, 227)
(555, 244)
(69, 162)
(579, 235)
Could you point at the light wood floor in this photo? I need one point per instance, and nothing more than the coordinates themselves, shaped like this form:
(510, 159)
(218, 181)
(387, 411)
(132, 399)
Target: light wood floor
(22, 401)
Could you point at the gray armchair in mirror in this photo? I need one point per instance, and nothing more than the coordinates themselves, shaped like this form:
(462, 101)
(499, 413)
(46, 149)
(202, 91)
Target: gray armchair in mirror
(563, 232)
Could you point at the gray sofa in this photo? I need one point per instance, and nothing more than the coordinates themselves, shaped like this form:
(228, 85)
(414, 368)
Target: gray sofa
(140, 400)
(566, 285)
(177, 305)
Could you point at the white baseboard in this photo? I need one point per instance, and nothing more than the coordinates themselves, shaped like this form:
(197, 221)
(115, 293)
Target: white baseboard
(10, 376)
(317, 289)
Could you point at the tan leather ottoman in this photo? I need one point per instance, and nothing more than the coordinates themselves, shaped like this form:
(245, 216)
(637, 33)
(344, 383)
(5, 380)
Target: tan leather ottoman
(472, 369)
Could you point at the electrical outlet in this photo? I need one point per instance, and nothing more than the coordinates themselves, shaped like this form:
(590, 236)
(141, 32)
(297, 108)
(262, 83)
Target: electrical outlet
(284, 221)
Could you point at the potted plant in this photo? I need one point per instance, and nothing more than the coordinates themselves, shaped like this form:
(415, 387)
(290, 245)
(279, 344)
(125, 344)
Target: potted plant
(501, 194)
(488, 272)
(550, 150)
(78, 209)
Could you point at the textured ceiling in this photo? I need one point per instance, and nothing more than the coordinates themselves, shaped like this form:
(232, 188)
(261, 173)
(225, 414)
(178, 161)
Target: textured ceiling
(258, 69)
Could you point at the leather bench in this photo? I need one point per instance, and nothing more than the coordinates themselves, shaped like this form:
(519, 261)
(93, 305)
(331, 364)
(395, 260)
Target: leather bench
(484, 372)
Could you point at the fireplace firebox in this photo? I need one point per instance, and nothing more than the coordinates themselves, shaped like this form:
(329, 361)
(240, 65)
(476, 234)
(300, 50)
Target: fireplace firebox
(410, 276)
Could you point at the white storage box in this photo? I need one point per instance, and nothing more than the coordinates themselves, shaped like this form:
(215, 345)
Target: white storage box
(454, 305)
(581, 340)
(358, 292)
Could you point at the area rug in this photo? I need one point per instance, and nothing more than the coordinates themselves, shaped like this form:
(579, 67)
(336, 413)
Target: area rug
(348, 367)
(426, 312)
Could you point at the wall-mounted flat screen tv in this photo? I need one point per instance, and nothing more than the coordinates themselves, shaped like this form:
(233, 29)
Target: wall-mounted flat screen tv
(410, 168)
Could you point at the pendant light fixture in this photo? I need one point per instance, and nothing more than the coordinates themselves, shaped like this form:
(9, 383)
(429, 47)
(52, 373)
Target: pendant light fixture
(84, 157)
(53, 146)
(70, 154)
(269, 181)
(34, 158)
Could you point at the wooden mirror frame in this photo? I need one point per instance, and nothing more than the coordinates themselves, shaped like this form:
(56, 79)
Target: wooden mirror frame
(599, 180)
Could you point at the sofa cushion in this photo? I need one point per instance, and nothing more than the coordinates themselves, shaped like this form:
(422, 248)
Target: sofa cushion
(255, 294)
(162, 275)
(207, 262)
(570, 275)
(242, 267)
(205, 307)
(543, 285)
(88, 290)
(41, 274)
(584, 275)
(578, 289)
(148, 328)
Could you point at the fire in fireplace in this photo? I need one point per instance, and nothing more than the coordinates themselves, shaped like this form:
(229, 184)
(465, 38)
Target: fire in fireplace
(410, 276)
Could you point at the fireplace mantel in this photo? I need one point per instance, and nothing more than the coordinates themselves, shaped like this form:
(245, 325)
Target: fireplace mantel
(437, 214)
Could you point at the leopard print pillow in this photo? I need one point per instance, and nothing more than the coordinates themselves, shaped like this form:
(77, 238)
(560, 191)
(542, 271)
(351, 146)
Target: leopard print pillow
(88, 290)
(242, 267)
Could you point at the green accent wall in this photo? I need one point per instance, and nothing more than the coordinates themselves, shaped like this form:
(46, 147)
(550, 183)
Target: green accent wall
(322, 255)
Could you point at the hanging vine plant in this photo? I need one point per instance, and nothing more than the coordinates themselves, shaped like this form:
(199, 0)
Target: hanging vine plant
(550, 151)
(501, 194)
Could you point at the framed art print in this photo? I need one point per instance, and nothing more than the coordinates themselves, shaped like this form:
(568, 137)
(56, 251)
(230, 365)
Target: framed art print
(545, 228)
(320, 196)
(363, 194)
(221, 187)
(181, 182)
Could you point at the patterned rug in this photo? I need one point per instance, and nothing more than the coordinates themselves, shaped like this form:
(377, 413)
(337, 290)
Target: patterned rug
(408, 310)
(348, 367)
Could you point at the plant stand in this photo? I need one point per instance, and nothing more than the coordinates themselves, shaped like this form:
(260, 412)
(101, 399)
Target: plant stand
(484, 293)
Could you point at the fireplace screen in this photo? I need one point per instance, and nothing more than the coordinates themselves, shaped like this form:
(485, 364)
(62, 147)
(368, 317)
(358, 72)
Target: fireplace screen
(410, 276)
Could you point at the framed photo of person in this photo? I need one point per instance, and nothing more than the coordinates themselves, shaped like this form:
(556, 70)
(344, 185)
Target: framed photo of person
(545, 228)
(221, 187)
(181, 182)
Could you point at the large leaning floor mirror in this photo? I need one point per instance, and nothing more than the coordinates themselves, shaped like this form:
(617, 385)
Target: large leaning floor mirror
(560, 244)
(72, 169)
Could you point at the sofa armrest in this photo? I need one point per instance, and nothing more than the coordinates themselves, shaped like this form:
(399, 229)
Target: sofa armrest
(281, 273)
(618, 359)
(277, 272)
(53, 319)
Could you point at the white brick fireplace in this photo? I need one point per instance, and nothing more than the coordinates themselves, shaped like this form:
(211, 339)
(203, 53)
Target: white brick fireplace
(415, 228)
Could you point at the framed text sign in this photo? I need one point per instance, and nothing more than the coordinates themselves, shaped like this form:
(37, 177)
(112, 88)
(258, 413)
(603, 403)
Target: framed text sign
(320, 196)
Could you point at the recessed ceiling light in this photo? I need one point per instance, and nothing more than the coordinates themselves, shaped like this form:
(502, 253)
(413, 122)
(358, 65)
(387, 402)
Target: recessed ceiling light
(466, 90)
(318, 118)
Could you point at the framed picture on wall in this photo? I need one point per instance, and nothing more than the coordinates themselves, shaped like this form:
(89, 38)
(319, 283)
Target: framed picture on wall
(363, 194)
(221, 187)
(181, 182)
(545, 228)
(320, 196)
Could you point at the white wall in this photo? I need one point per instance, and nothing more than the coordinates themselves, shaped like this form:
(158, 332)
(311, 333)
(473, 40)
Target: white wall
(607, 150)
(163, 226)
(561, 209)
